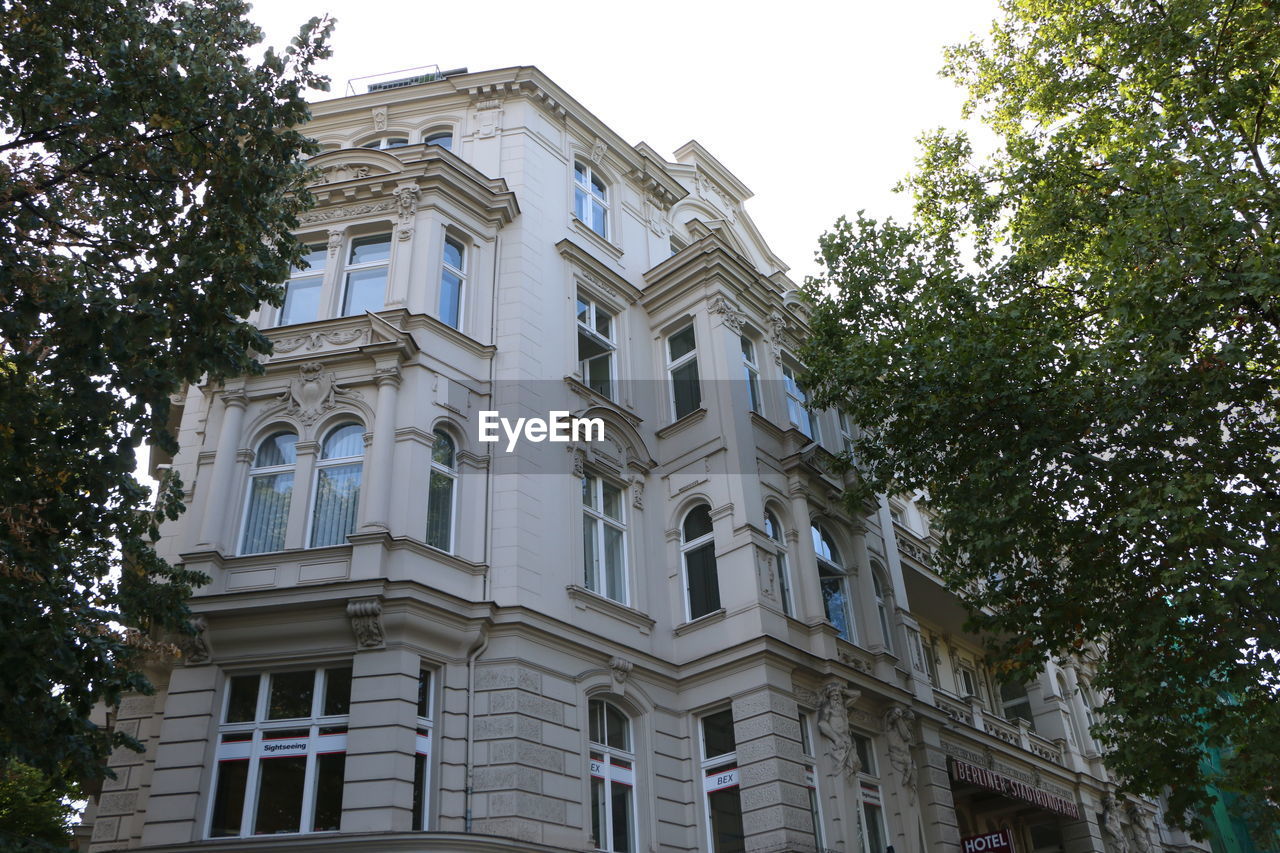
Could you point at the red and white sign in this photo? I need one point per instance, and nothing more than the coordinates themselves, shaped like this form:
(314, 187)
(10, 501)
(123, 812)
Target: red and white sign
(720, 779)
(992, 842)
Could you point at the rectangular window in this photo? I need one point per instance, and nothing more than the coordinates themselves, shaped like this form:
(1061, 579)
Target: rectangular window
(302, 290)
(596, 346)
(281, 753)
(931, 658)
(453, 277)
(722, 797)
(846, 433)
(872, 830)
(811, 778)
(798, 404)
(604, 531)
(422, 754)
(682, 365)
(366, 274)
(752, 371)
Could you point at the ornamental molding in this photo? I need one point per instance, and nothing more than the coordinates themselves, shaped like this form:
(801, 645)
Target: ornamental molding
(728, 312)
(406, 210)
(366, 622)
(312, 393)
(350, 211)
(195, 647)
(313, 341)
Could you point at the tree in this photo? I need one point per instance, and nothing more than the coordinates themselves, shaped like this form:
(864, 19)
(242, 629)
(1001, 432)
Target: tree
(1074, 347)
(149, 182)
(35, 812)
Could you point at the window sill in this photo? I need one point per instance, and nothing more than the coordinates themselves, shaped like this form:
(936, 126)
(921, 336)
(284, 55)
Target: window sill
(683, 423)
(604, 244)
(585, 599)
(712, 618)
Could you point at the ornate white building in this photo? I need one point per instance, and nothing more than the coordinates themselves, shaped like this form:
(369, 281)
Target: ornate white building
(675, 638)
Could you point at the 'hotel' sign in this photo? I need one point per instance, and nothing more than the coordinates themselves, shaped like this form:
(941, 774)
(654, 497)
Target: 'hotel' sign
(965, 772)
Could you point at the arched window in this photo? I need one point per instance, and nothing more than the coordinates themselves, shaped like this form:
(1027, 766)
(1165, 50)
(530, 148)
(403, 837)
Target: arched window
(884, 603)
(773, 530)
(442, 138)
(266, 513)
(590, 198)
(453, 275)
(440, 492)
(835, 585)
(386, 142)
(699, 549)
(613, 778)
(337, 490)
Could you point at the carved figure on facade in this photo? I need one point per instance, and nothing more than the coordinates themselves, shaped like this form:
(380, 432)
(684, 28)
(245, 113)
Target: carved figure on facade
(312, 393)
(777, 334)
(335, 241)
(598, 150)
(733, 318)
(379, 118)
(366, 621)
(899, 726)
(834, 706)
(195, 647)
(637, 492)
(619, 670)
(406, 210)
(1112, 830)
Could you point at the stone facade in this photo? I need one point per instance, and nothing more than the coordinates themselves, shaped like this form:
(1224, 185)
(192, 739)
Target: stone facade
(657, 668)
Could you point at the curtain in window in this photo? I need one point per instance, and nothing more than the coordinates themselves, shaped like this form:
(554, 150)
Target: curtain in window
(337, 495)
(269, 496)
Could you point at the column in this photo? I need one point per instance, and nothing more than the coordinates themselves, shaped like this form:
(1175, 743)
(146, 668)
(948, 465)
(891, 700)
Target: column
(804, 577)
(377, 486)
(218, 494)
(300, 503)
(775, 800)
(378, 782)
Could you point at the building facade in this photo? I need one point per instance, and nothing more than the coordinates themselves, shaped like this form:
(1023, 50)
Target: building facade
(663, 633)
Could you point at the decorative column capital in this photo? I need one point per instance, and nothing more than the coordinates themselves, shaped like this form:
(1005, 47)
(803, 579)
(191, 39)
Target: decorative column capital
(366, 622)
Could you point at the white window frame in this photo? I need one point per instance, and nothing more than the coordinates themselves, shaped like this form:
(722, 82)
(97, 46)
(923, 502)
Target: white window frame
(322, 463)
(725, 775)
(439, 468)
(460, 273)
(799, 414)
(707, 539)
(422, 745)
(597, 517)
(870, 794)
(588, 327)
(268, 471)
(835, 566)
(674, 364)
(348, 268)
(847, 432)
(387, 143)
(752, 369)
(297, 275)
(773, 529)
(811, 777)
(253, 749)
(884, 604)
(439, 133)
(582, 187)
(601, 758)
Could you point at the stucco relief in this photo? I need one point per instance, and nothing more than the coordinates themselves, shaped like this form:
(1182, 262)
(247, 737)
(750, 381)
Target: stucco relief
(833, 724)
(899, 726)
(312, 393)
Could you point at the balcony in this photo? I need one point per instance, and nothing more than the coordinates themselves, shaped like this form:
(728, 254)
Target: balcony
(971, 714)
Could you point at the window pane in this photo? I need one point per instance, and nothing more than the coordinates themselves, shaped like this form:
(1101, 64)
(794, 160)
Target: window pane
(595, 717)
(865, 755)
(753, 389)
(589, 491)
(280, 795)
(617, 728)
(440, 511)
(268, 515)
(442, 449)
(444, 140)
(681, 343)
(337, 691)
(784, 583)
(290, 695)
(612, 501)
(621, 817)
(875, 828)
(597, 812)
(366, 250)
(590, 553)
(366, 291)
(337, 495)
(697, 523)
(450, 298)
(329, 773)
(343, 442)
(315, 259)
(278, 449)
(599, 375)
(687, 392)
(424, 693)
(242, 704)
(613, 562)
(598, 222)
(301, 300)
(453, 254)
(717, 734)
(726, 821)
(228, 799)
(580, 204)
(584, 310)
(835, 598)
(604, 324)
(419, 790)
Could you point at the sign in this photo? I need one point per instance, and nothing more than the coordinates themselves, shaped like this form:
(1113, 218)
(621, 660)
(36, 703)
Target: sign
(992, 842)
(963, 771)
(720, 779)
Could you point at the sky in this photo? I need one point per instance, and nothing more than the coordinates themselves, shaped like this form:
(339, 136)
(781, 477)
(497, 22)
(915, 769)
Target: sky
(816, 107)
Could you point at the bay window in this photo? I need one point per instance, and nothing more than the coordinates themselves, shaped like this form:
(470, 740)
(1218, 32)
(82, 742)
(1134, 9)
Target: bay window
(613, 778)
(281, 753)
(337, 486)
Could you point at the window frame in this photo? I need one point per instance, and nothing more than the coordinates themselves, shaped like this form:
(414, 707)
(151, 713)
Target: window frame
(459, 273)
(624, 774)
(382, 143)
(317, 272)
(774, 530)
(798, 401)
(290, 468)
(583, 188)
(439, 133)
(871, 794)
(810, 756)
(226, 751)
(720, 765)
(437, 468)
(679, 363)
(594, 307)
(600, 521)
(834, 567)
(322, 464)
(349, 267)
(751, 366)
(424, 734)
(884, 604)
(688, 547)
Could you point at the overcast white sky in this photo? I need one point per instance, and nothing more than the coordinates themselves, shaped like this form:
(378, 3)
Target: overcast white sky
(815, 106)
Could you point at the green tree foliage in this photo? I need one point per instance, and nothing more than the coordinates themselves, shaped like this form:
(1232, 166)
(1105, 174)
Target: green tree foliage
(35, 811)
(1074, 346)
(148, 186)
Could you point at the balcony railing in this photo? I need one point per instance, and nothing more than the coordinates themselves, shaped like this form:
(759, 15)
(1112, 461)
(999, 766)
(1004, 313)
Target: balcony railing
(1015, 733)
